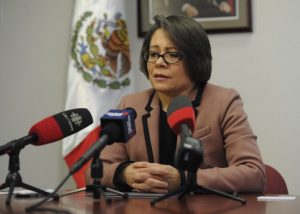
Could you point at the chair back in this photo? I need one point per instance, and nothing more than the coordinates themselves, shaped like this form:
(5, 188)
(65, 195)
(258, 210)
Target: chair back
(275, 182)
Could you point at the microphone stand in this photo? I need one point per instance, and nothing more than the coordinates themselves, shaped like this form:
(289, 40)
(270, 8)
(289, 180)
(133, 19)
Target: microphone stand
(14, 179)
(96, 187)
(191, 187)
(189, 156)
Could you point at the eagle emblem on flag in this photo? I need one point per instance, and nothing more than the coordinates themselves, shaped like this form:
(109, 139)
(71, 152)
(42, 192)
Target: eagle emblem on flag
(100, 50)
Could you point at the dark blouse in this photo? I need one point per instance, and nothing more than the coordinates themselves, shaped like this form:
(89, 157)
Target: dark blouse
(167, 141)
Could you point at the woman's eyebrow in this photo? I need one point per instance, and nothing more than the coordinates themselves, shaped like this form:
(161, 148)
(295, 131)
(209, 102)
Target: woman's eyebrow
(167, 48)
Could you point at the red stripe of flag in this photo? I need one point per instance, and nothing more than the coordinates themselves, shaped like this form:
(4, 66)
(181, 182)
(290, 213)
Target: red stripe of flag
(76, 153)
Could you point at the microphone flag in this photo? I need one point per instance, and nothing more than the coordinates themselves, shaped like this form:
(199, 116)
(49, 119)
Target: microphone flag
(99, 71)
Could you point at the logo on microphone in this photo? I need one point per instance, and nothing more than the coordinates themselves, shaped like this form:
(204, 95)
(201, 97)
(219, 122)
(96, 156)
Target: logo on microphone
(114, 114)
(129, 125)
(76, 119)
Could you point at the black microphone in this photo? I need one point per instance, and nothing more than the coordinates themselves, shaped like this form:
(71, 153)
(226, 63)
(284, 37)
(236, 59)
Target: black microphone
(118, 126)
(181, 119)
(51, 129)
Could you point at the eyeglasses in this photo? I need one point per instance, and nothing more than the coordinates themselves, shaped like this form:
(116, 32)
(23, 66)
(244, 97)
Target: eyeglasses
(168, 57)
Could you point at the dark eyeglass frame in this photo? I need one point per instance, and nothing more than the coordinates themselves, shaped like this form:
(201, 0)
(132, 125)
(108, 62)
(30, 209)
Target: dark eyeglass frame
(146, 56)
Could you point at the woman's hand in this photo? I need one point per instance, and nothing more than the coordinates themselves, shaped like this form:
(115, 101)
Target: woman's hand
(151, 177)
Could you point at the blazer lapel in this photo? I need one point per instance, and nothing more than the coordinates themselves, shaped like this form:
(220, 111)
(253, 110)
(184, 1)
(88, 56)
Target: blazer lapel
(150, 122)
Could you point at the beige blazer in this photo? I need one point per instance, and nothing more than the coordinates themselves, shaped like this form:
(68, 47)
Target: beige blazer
(232, 160)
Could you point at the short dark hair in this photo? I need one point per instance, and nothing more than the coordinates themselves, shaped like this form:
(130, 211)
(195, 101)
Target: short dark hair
(191, 40)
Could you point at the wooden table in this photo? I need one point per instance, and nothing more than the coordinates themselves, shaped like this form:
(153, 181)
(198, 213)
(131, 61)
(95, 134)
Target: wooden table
(83, 203)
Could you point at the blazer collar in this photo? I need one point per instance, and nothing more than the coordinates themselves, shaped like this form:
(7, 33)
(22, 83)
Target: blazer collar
(195, 94)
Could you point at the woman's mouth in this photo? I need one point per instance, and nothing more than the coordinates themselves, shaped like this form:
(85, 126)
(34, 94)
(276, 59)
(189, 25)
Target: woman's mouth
(160, 77)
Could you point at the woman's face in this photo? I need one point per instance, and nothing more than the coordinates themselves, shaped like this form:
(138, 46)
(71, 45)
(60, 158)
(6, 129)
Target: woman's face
(169, 79)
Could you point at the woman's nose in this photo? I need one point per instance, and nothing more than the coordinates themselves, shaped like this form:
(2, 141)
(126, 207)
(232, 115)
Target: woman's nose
(160, 61)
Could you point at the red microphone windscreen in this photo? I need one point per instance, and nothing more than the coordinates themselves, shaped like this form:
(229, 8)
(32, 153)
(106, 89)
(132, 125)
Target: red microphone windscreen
(61, 125)
(180, 111)
(47, 131)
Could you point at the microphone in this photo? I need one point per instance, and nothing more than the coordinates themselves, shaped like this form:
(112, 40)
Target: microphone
(181, 119)
(180, 113)
(118, 126)
(52, 129)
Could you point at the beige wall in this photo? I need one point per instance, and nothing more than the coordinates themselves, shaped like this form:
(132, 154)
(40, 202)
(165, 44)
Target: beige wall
(263, 66)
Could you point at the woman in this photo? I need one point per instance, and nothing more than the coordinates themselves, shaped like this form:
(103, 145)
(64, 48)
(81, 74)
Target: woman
(176, 58)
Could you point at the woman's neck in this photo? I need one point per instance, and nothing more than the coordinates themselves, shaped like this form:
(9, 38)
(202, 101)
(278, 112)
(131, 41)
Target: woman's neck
(165, 99)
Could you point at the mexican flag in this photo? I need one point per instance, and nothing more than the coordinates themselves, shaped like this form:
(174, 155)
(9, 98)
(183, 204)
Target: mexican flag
(99, 69)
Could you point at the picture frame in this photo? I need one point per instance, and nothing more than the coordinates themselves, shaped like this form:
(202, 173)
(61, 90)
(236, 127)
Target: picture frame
(239, 19)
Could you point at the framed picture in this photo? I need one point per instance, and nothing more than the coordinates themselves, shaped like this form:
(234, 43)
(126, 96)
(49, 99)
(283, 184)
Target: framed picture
(216, 16)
